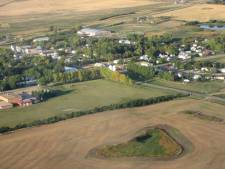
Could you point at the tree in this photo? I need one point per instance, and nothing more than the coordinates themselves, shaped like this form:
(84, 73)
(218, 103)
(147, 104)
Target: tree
(139, 72)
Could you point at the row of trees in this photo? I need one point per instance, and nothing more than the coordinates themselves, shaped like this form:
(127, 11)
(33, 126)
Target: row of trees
(79, 76)
(138, 72)
(115, 76)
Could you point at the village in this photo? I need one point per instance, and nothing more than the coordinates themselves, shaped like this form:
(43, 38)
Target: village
(162, 62)
(173, 60)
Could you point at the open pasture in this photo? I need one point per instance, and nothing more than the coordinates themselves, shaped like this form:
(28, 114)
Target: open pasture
(80, 96)
(65, 145)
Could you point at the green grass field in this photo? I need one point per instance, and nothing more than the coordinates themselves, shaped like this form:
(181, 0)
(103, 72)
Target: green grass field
(200, 87)
(82, 96)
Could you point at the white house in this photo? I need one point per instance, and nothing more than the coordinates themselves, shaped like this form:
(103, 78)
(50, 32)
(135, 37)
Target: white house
(204, 69)
(184, 55)
(186, 81)
(197, 77)
(144, 57)
(126, 42)
(112, 68)
(179, 75)
(116, 61)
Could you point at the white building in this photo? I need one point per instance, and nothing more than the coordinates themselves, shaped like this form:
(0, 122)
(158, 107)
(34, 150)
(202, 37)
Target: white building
(186, 81)
(197, 77)
(127, 42)
(184, 55)
(112, 68)
(116, 61)
(144, 57)
(93, 32)
(204, 69)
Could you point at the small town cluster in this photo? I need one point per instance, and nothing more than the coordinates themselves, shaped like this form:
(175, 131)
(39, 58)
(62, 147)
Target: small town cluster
(53, 58)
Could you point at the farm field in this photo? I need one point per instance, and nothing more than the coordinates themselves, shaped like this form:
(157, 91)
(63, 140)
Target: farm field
(200, 87)
(199, 12)
(81, 96)
(16, 8)
(66, 144)
(121, 16)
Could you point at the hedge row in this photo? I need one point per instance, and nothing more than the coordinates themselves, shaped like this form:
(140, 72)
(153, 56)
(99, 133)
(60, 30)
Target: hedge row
(128, 104)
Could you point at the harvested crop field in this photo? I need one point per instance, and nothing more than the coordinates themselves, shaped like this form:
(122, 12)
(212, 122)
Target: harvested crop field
(203, 12)
(65, 145)
(17, 7)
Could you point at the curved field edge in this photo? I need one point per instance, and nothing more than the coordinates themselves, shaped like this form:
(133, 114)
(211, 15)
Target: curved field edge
(185, 146)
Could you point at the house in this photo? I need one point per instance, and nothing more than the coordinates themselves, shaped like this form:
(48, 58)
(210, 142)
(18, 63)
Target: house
(179, 75)
(144, 57)
(5, 105)
(204, 69)
(112, 68)
(22, 99)
(184, 55)
(197, 77)
(27, 99)
(93, 32)
(126, 42)
(116, 61)
(186, 81)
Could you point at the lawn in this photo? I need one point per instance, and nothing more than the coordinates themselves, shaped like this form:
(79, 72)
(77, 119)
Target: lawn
(154, 143)
(81, 96)
(200, 87)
